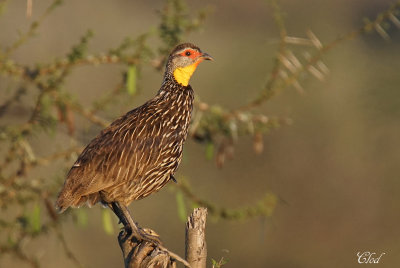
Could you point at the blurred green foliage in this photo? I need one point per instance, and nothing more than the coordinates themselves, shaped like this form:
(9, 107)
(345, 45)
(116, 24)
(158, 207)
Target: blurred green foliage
(51, 106)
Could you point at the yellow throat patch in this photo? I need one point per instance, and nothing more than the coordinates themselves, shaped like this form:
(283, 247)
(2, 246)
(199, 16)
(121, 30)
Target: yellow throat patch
(182, 74)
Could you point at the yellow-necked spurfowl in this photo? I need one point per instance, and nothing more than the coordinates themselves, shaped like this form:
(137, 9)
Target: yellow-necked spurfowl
(140, 151)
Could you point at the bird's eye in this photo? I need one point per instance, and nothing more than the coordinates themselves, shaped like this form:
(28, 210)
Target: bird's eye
(187, 53)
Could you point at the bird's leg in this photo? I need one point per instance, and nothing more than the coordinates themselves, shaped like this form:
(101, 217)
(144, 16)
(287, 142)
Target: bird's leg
(126, 219)
(116, 208)
(173, 178)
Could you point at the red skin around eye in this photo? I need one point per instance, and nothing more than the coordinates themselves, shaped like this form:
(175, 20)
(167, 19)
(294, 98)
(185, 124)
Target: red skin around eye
(193, 53)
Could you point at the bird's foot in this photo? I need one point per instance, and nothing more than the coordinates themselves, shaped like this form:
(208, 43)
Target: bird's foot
(142, 235)
(149, 235)
(148, 241)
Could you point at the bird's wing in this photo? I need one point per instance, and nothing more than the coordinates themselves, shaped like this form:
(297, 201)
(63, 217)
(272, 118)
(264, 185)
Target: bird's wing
(126, 150)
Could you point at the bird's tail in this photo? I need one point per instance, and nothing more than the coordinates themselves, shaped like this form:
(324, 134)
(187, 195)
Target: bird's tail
(64, 201)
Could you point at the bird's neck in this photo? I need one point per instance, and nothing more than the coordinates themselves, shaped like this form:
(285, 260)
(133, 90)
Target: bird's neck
(176, 102)
(171, 89)
(183, 74)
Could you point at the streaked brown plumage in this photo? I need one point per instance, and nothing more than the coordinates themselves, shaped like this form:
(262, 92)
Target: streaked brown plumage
(140, 151)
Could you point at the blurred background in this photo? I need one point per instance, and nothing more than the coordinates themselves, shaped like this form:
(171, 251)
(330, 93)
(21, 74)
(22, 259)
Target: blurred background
(334, 169)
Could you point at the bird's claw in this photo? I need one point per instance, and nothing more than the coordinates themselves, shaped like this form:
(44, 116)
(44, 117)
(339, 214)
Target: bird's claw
(143, 235)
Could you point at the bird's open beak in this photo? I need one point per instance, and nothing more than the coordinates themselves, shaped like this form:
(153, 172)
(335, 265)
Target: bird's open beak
(205, 56)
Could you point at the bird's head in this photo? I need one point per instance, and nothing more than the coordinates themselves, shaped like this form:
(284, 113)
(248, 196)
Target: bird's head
(183, 61)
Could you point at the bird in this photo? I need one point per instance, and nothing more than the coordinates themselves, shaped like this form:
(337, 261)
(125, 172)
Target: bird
(138, 153)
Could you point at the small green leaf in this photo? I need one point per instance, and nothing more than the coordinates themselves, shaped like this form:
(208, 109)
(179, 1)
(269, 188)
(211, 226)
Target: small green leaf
(195, 205)
(3, 7)
(180, 202)
(269, 203)
(218, 264)
(223, 261)
(131, 76)
(209, 151)
(34, 219)
(11, 240)
(82, 217)
(107, 222)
